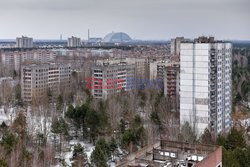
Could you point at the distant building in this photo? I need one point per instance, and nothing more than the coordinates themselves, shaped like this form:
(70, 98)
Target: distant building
(38, 82)
(12, 60)
(94, 40)
(118, 37)
(111, 78)
(153, 69)
(160, 69)
(139, 62)
(24, 42)
(7, 62)
(167, 73)
(140, 65)
(176, 44)
(7, 88)
(74, 42)
(171, 79)
(206, 85)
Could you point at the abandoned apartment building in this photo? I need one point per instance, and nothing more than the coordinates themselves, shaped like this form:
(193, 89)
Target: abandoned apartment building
(174, 154)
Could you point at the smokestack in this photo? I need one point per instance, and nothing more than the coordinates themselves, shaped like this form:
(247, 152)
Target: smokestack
(88, 34)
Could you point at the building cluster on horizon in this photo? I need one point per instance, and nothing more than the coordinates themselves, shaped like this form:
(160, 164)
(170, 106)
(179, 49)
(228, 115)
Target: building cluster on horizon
(74, 42)
(24, 42)
(114, 37)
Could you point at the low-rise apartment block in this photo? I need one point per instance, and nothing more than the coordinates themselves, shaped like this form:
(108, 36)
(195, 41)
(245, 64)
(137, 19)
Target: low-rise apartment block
(40, 80)
(108, 79)
(12, 60)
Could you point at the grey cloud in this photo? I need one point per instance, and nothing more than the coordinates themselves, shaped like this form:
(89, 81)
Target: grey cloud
(147, 19)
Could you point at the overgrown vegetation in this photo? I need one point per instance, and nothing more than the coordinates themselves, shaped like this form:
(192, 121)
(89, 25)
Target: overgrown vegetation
(235, 151)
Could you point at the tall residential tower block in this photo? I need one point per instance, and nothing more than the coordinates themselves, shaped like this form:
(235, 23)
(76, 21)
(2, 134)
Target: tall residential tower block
(206, 85)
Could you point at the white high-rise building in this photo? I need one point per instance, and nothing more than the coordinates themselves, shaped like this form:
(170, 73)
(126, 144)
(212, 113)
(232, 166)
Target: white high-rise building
(206, 85)
(74, 42)
(24, 42)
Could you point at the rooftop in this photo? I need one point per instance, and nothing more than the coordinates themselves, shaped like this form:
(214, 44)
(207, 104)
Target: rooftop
(172, 153)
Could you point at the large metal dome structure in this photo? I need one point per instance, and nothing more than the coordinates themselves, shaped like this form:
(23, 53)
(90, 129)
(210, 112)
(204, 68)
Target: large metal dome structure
(117, 37)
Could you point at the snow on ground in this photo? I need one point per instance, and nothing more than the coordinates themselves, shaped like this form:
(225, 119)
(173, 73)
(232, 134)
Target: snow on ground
(119, 154)
(88, 149)
(7, 115)
(37, 124)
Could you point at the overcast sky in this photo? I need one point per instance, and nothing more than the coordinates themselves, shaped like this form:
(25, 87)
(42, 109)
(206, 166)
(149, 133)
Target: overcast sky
(141, 19)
